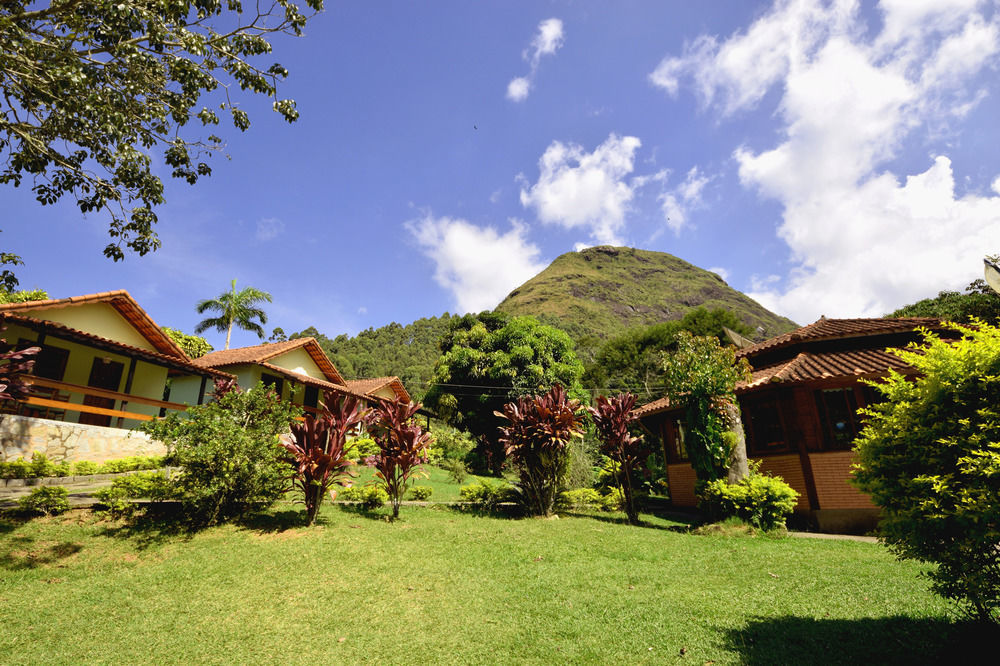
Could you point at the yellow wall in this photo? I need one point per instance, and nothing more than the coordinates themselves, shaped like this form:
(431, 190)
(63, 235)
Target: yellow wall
(96, 318)
(148, 380)
(298, 360)
(386, 392)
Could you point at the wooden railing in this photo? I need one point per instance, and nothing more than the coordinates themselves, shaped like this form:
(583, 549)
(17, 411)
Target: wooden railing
(54, 401)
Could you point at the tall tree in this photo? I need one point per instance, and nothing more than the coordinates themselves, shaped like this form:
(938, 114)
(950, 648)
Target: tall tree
(702, 376)
(978, 301)
(235, 308)
(89, 87)
(491, 358)
(192, 345)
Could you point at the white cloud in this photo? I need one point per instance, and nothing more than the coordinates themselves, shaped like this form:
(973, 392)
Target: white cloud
(478, 265)
(676, 203)
(863, 240)
(268, 228)
(546, 42)
(362, 310)
(721, 272)
(589, 190)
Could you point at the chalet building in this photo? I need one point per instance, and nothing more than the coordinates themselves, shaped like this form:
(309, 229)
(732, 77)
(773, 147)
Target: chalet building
(298, 370)
(103, 368)
(800, 413)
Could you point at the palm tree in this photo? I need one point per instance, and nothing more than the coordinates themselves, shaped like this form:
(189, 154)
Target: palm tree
(236, 307)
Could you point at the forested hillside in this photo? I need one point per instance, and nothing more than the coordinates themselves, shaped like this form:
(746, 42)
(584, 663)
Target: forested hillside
(408, 352)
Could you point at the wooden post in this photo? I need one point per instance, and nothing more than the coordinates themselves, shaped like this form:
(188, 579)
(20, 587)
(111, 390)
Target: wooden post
(128, 388)
(201, 391)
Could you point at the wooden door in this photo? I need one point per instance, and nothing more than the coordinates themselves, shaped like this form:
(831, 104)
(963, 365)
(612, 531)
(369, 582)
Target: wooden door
(104, 374)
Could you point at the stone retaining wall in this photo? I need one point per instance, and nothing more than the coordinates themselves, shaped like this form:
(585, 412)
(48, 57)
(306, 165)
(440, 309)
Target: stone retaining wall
(20, 436)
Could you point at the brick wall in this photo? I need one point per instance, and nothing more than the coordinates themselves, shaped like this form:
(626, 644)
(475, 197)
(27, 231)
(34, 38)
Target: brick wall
(20, 436)
(681, 479)
(831, 472)
(789, 468)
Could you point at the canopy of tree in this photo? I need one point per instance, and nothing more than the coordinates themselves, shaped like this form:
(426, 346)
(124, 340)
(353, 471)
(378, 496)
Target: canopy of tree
(978, 301)
(491, 358)
(23, 295)
(408, 352)
(633, 361)
(193, 345)
(91, 87)
(235, 308)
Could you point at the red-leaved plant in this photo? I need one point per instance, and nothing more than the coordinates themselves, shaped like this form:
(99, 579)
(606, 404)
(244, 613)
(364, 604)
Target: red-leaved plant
(13, 364)
(613, 418)
(402, 447)
(540, 430)
(317, 451)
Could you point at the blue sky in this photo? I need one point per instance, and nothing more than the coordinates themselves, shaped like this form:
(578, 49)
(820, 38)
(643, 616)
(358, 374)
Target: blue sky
(833, 158)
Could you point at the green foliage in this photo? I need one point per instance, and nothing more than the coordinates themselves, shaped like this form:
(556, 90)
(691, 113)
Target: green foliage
(536, 440)
(582, 463)
(16, 469)
(929, 456)
(761, 500)
(632, 362)
(369, 497)
(130, 464)
(489, 359)
(605, 291)
(701, 375)
(23, 295)
(614, 500)
(457, 470)
(229, 453)
(580, 499)
(193, 345)
(487, 495)
(85, 468)
(420, 493)
(121, 79)
(452, 443)
(40, 466)
(978, 302)
(408, 352)
(118, 497)
(361, 447)
(237, 308)
(46, 500)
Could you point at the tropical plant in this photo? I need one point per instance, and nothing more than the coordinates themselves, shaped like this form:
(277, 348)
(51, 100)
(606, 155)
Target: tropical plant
(537, 438)
(402, 447)
(47, 500)
(501, 358)
(228, 451)
(14, 364)
(613, 419)
(761, 500)
(89, 87)
(929, 457)
(235, 308)
(193, 345)
(701, 376)
(318, 449)
(486, 495)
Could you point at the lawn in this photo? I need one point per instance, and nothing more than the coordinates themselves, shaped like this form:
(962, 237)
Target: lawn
(445, 489)
(441, 586)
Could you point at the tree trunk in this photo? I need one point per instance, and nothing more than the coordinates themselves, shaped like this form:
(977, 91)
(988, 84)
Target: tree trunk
(738, 468)
(229, 333)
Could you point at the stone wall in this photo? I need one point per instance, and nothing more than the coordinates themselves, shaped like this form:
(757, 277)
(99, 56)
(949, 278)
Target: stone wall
(20, 436)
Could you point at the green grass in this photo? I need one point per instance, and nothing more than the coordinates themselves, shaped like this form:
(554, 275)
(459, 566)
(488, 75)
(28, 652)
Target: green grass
(445, 490)
(440, 586)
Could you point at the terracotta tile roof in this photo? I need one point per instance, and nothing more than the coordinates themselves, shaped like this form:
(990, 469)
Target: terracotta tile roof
(312, 381)
(259, 354)
(62, 331)
(831, 329)
(655, 407)
(370, 386)
(121, 301)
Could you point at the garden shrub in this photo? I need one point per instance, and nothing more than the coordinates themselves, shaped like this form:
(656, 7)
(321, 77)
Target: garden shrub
(117, 498)
(457, 470)
(579, 499)
(361, 447)
(47, 500)
(40, 467)
(420, 493)
(582, 463)
(228, 452)
(451, 444)
(402, 447)
(761, 500)
(369, 497)
(929, 456)
(15, 469)
(614, 500)
(130, 464)
(85, 468)
(485, 495)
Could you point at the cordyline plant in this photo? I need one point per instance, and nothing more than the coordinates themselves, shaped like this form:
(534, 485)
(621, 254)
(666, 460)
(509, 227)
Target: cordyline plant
(613, 417)
(318, 450)
(14, 364)
(402, 446)
(540, 430)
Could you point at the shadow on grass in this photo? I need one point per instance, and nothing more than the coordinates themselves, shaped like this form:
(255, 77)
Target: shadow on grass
(885, 640)
(276, 521)
(358, 509)
(621, 519)
(23, 552)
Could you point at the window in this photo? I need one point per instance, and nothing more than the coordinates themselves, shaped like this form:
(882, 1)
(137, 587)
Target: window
(270, 381)
(838, 415)
(677, 437)
(311, 396)
(50, 363)
(767, 429)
